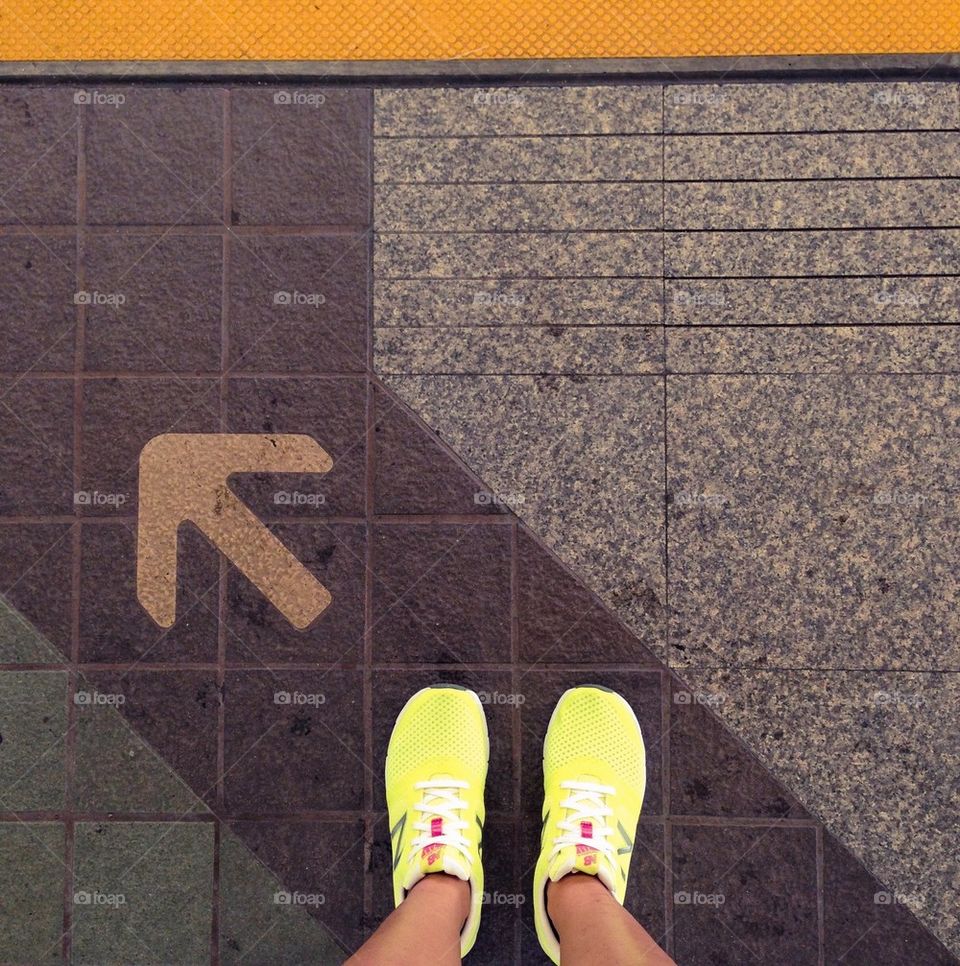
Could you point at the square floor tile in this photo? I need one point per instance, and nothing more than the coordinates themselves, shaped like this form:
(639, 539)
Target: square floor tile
(120, 416)
(32, 867)
(441, 593)
(750, 889)
(560, 621)
(298, 304)
(262, 923)
(542, 689)
(392, 690)
(142, 892)
(36, 449)
(645, 886)
(812, 521)
(301, 156)
(866, 924)
(257, 633)
(332, 412)
(504, 893)
(174, 713)
(154, 303)
(156, 158)
(38, 316)
(115, 628)
(320, 860)
(35, 579)
(293, 741)
(38, 165)
(33, 725)
(711, 772)
(414, 473)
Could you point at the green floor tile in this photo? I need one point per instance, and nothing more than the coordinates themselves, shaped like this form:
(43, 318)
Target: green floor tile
(118, 772)
(255, 928)
(33, 723)
(31, 892)
(143, 893)
(21, 642)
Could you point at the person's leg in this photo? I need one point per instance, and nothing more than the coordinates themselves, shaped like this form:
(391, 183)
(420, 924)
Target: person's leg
(594, 929)
(424, 928)
(594, 778)
(435, 773)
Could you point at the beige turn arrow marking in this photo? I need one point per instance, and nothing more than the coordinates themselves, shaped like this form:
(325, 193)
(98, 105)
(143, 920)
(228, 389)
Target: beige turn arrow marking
(184, 477)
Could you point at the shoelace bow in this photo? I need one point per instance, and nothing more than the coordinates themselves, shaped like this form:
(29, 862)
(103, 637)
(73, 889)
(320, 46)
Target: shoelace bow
(441, 800)
(586, 803)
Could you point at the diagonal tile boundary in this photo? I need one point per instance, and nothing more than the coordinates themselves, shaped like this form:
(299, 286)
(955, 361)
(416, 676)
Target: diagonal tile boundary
(929, 912)
(250, 910)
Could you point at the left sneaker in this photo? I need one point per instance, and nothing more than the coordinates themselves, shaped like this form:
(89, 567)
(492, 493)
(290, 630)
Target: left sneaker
(435, 775)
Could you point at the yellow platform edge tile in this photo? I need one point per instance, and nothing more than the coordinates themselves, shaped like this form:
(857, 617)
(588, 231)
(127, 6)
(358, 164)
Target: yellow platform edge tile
(438, 30)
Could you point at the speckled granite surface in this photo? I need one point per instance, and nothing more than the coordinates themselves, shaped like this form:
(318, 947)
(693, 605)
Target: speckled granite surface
(817, 350)
(807, 435)
(604, 512)
(857, 744)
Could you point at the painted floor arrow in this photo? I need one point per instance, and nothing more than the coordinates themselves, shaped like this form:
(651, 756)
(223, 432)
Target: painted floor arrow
(184, 477)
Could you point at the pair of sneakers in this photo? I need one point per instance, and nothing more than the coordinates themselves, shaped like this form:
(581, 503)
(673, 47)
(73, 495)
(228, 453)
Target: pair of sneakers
(593, 781)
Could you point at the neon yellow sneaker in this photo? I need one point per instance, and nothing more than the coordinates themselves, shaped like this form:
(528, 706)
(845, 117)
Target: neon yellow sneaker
(436, 770)
(594, 774)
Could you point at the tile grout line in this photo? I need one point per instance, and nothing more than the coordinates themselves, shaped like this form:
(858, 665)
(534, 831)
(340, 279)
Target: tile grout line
(821, 932)
(369, 830)
(70, 749)
(516, 735)
(222, 578)
(665, 678)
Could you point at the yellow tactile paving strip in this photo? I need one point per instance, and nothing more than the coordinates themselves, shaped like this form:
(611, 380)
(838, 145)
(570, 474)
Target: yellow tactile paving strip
(348, 30)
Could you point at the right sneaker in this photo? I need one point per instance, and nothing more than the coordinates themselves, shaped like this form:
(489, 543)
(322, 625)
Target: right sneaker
(435, 773)
(594, 774)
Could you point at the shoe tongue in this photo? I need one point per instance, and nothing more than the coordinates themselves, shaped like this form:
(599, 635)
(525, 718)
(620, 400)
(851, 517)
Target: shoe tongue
(435, 856)
(581, 858)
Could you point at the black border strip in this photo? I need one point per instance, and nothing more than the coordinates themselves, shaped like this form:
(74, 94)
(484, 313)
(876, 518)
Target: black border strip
(875, 67)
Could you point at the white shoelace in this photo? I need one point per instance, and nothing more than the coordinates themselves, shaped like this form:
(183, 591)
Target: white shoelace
(586, 803)
(441, 800)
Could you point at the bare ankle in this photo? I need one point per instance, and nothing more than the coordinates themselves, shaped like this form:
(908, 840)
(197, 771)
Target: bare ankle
(447, 891)
(572, 891)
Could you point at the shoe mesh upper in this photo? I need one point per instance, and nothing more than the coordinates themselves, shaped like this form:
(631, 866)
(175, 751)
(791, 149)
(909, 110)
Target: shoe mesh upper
(445, 724)
(594, 724)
